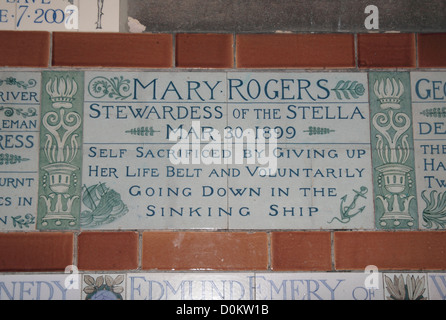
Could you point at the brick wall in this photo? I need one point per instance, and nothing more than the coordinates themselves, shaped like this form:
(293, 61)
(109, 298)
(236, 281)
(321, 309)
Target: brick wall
(145, 250)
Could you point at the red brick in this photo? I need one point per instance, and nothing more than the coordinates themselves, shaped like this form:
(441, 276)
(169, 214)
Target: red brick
(295, 51)
(25, 49)
(108, 251)
(432, 50)
(112, 50)
(301, 251)
(205, 251)
(405, 250)
(386, 50)
(35, 251)
(204, 50)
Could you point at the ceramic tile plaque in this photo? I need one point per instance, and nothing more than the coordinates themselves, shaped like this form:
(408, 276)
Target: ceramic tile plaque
(429, 112)
(197, 150)
(19, 149)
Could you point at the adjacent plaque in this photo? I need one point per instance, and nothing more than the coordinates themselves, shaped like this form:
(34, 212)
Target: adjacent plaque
(429, 113)
(19, 149)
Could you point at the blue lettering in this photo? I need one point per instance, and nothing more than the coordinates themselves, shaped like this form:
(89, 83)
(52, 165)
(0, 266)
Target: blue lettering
(417, 90)
(3, 15)
(319, 84)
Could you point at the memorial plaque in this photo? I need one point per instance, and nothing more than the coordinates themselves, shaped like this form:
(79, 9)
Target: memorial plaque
(204, 150)
(429, 113)
(19, 149)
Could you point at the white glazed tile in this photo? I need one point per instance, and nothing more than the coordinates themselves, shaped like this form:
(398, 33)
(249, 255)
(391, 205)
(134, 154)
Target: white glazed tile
(40, 287)
(190, 286)
(128, 129)
(304, 106)
(99, 16)
(7, 15)
(120, 104)
(52, 15)
(437, 286)
(148, 193)
(342, 187)
(263, 198)
(313, 113)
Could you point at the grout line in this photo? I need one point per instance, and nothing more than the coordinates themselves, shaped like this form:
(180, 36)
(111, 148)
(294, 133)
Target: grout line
(50, 55)
(269, 237)
(333, 266)
(355, 42)
(234, 50)
(75, 248)
(416, 51)
(140, 242)
(174, 49)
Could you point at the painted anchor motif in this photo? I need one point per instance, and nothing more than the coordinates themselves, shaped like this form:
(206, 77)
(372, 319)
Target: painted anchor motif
(345, 211)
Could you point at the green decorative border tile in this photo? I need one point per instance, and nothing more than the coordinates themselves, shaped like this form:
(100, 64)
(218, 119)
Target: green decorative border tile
(392, 151)
(60, 150)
